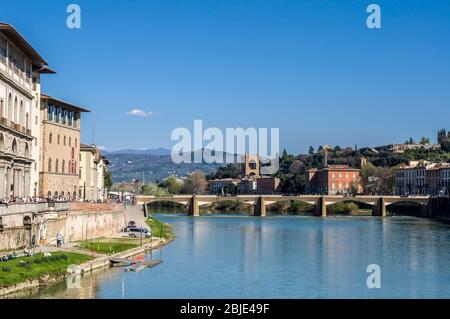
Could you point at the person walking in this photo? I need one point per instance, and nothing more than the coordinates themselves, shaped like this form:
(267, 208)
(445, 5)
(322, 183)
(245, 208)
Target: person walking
(58, 240)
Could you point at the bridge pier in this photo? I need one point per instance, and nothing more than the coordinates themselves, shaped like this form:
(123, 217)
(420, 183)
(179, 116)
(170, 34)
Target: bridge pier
(320, 210)
(260, 207)
(380, 208)
(193, 207)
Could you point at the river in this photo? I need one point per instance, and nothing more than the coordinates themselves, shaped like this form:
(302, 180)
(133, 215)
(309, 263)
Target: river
(284, 257)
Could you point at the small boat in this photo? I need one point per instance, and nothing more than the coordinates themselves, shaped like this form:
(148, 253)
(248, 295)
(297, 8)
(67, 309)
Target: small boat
(135, 268)
(141, 266)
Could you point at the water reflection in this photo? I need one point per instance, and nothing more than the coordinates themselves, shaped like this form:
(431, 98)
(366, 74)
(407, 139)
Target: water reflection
(284, 257)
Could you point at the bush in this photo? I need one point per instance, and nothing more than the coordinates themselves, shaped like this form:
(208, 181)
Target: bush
(6, 269)
(25, 264)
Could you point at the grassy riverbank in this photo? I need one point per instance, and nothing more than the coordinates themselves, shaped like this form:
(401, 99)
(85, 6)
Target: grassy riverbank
(107, 248)
(160, 229)
(23, 269)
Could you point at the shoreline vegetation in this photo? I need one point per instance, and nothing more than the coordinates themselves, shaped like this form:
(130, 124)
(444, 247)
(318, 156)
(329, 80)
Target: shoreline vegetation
(160, 229)
(38, 268)
(26, 273)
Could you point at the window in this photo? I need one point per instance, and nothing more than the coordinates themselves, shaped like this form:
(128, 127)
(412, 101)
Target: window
(76, 142)
(70, 142)
(49, 165)
(56, 166)
(63, 169)
(59, 139)
(1, 107)
(2, 49)
(50, 112)
(50, 137)
(64, 141)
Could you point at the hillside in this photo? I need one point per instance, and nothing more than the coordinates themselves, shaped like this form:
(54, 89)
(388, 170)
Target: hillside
(129, 166)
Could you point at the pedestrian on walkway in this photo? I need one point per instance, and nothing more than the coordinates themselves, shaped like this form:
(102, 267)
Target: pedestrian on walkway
(58, 240)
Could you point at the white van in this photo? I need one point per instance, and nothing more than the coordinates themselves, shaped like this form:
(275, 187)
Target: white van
(136, 232)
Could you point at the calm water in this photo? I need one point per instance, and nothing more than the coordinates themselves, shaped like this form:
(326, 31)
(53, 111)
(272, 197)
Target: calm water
(285, 257)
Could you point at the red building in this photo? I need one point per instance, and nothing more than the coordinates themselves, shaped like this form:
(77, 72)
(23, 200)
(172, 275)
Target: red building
(267, 185)
(333, 179)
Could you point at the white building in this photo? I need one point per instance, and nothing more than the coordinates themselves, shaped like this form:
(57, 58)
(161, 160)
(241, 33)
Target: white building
(92, 173)
(20, 70)
(422, 178)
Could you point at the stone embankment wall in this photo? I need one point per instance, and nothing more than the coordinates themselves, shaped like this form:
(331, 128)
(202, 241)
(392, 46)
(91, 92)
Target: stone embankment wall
(73, 221)
(439, 208)
(81, 225)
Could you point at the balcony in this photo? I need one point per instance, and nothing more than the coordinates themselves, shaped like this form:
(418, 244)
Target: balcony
(17, 127)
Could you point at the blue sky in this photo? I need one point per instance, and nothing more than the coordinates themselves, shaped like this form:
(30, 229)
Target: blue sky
(311, 68)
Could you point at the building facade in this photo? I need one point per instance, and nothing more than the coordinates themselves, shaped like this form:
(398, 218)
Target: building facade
(422, 178)
(267, 185)
(21, 68)
(221, 187)
(251, 167)
(247, 186)
(91, 174)
(333, 179)
(60, 148)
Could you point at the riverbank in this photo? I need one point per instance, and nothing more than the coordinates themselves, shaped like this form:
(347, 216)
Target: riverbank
(36, 271)
(27, 273)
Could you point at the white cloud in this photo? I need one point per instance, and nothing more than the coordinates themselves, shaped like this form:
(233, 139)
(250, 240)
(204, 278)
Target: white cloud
(140, 113)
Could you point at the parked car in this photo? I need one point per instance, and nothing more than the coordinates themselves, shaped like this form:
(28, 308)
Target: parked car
(136, 232)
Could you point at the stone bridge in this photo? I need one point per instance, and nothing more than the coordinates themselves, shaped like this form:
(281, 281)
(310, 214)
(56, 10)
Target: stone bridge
(260, 202)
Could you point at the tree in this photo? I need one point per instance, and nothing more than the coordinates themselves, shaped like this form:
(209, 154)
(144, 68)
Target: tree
(173, 185)
(311, 150)
(442, 136)
(425, 141)
(195, 184)
(154, 190)
(107, 179)
(410, 141)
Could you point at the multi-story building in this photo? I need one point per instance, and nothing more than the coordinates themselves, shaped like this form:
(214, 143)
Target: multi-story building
(223, 186)
(333, 179)
(60, 148)
(445, 178)
(247, 186)
(422, 178)
(267, 185)
(91, 174)
(21, 68)
(102, 168)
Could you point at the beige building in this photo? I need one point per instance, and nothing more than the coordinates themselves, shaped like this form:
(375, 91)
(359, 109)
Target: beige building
(91, 175)
(60, 148)
(423, 178)
(20, 71)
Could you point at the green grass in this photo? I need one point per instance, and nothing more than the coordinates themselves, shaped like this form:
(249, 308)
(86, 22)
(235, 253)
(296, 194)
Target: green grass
(160, 229)
(29, 268)
(107, 247)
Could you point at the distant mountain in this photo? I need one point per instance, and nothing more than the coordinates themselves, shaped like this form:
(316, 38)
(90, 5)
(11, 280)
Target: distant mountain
(156, 151)
(128, 166)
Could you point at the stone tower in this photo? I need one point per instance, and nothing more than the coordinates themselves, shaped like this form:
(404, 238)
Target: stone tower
(252, 166)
